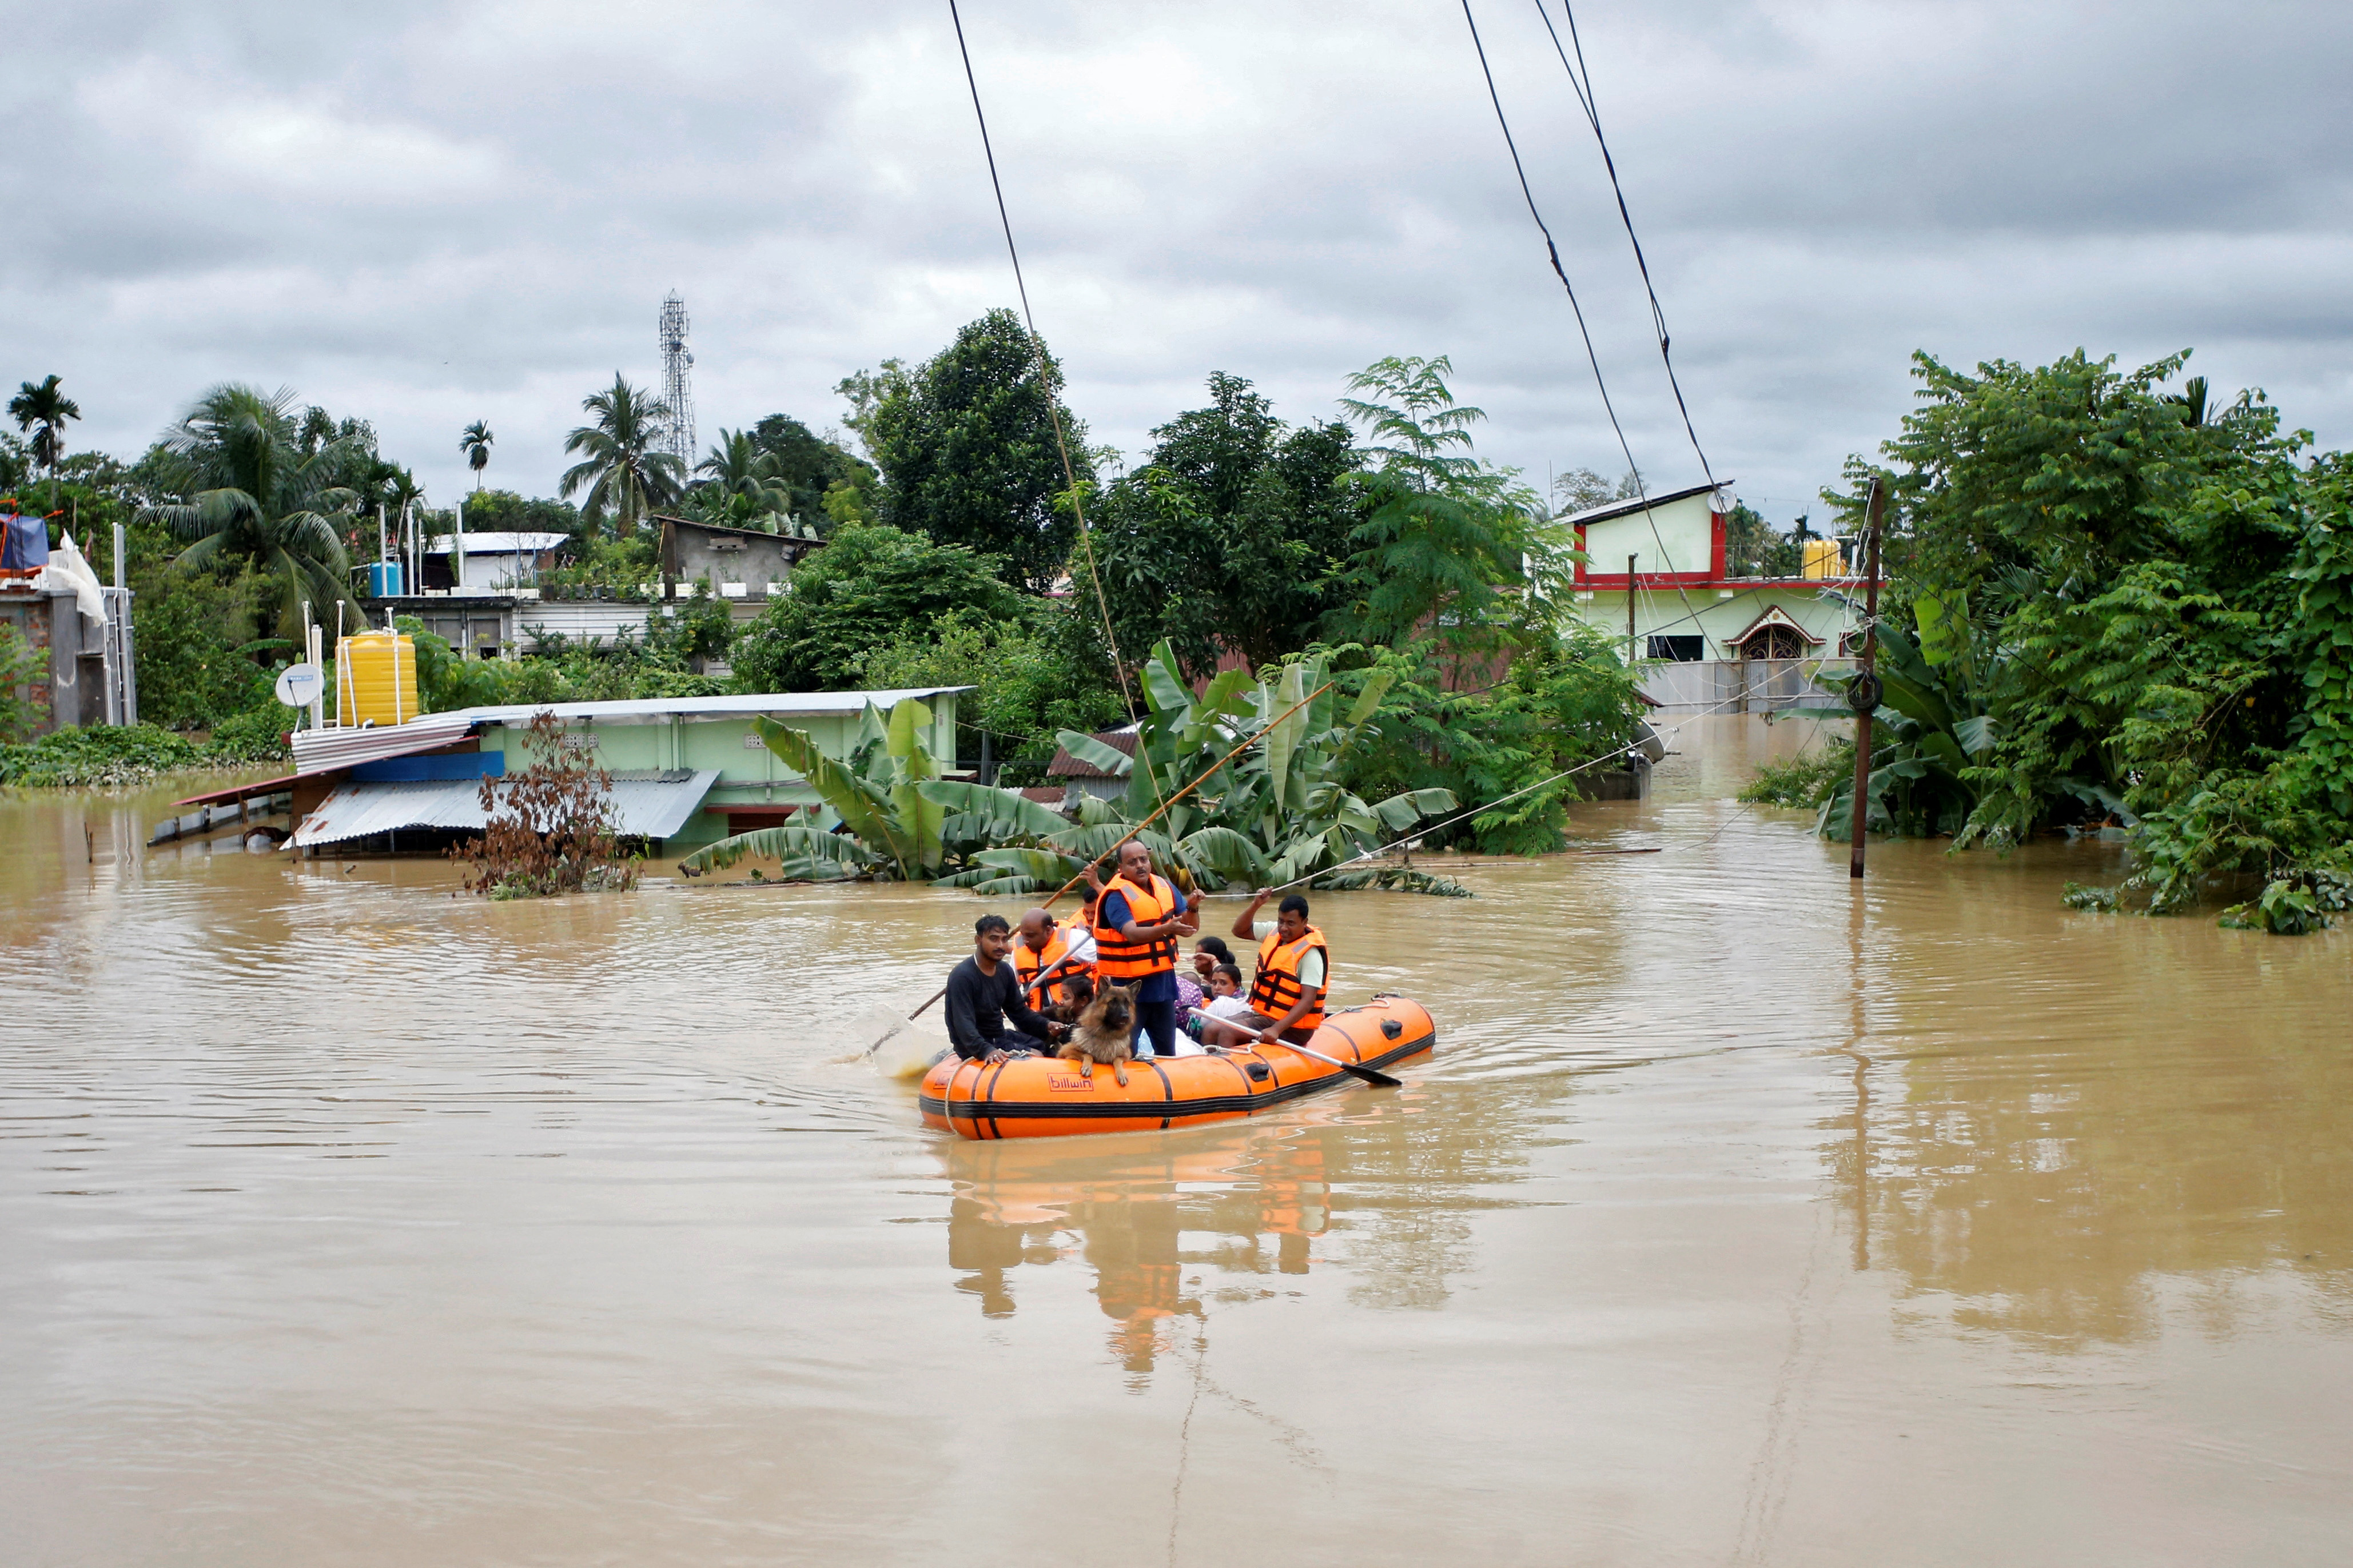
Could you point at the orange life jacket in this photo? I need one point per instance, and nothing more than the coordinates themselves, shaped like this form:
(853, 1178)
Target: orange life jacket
(1116, 958)
(1028, 965)
(1277, 990)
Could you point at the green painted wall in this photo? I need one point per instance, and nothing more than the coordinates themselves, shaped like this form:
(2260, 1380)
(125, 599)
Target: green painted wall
(749, 774)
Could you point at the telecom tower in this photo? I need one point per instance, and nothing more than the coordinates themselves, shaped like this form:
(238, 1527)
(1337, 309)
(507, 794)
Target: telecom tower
(678, 389)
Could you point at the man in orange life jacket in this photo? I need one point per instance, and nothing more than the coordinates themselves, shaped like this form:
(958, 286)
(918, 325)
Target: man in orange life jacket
(1293, 972)
(1041, 946)
(1138, 919)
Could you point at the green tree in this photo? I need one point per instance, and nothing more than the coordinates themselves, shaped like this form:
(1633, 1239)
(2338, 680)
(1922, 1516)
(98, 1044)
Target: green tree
(1230, 535)
(248, 495)
(1451, 545)
(808, 465)
(476, 444)
(42, 411)
(871, 585)
(966, 447)
(1033, 677)
(1755, 548)
(622, 467)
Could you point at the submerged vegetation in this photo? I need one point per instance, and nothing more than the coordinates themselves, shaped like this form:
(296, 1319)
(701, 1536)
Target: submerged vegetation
(2116, 605)
(113, 756)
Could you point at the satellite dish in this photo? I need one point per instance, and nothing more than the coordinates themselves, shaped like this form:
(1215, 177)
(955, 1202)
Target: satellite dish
(299, 685)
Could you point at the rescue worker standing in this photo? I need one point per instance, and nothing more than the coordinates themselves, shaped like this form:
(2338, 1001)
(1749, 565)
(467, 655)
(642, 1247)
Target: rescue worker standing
(1138, 919)
(1293, 972)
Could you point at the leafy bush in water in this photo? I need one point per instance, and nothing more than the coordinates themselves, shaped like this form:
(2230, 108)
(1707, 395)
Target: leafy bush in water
(103, 754)
(1501, 748)
(2147, 617)
(256, 735)
(1805, 781)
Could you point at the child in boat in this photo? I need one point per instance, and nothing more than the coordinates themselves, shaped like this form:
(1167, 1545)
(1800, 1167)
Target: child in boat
(1217, 1023)
(1078, 992)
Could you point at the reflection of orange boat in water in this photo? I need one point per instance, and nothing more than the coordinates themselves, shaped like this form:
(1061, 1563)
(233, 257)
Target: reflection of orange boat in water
(1128, 1204)
(1037, 1097)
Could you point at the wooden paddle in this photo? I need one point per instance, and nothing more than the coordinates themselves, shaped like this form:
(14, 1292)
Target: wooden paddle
(1380, 1080)
(893, 1029)
(1369, 1075)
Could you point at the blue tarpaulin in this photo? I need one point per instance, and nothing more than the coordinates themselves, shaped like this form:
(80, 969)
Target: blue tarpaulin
(23, 541)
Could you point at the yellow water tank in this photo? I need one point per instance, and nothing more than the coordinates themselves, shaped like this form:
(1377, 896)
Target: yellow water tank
(1823, 559)
(376, 679)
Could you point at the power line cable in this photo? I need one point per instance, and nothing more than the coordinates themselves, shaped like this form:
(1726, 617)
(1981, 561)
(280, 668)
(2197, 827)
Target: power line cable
(1601, 383)
(1046, 379)
(1580, 81)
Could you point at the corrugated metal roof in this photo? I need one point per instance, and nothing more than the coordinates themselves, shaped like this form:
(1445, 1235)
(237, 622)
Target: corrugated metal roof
(644, 804)
(316, 750)
(647, 711)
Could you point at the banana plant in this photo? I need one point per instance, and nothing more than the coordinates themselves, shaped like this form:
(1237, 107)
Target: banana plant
(895, 828)
(1269, 807)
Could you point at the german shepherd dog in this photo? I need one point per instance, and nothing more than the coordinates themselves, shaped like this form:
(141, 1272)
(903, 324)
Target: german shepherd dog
(1102, 1033)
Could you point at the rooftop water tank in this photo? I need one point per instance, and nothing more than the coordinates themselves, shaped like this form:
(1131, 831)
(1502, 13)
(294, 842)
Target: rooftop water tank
(376, 679)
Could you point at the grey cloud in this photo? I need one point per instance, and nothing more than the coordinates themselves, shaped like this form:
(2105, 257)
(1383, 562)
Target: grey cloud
(438, 214)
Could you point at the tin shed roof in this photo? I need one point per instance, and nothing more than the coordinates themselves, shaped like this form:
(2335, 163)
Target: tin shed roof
(651, 804)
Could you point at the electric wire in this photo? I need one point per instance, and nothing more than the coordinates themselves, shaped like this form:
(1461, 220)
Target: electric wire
(1580, 81)
(1592, 358)
(1045, 380)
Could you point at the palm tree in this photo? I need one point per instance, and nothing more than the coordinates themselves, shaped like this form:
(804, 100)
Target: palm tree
(476, 444)
(745, 478)
(624, 471)
(49, 408)
(252, 495)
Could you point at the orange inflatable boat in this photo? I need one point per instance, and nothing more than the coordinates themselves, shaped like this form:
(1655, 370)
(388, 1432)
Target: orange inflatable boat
(1042, 1097)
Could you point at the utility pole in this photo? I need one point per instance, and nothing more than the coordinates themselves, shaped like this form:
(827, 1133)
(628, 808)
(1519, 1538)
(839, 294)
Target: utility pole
(1629, 610)
(1864, 695)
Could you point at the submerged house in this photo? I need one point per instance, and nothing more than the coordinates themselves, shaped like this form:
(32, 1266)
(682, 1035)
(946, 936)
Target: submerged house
(685, 771)
(1654, 580)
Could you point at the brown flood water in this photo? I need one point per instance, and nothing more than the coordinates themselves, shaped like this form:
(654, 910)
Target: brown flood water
(1739, 1218)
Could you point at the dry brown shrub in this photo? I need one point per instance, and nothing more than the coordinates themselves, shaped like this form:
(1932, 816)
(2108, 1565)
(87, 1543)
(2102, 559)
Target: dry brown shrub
(550, 828)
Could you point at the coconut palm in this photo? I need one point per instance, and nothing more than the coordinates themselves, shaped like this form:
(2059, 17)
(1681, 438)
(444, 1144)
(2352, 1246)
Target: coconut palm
(46, 407)
(624, 470)
(744, 480)
(249, 493)
(476, 444)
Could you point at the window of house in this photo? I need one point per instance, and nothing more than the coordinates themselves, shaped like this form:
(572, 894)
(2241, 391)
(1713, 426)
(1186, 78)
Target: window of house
(1679, 649)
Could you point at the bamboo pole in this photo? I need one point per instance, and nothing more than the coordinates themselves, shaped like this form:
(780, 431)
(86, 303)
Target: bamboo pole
(1267, 730)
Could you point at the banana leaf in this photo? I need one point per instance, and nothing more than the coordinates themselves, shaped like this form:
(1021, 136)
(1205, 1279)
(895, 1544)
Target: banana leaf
(1407, 808)
(1043, 864)
(1095, 753)
(1282, 737)
(1164, 686)
(808, 854)
(990, 814)
(848, 794)
(909, 720)
(1222, 853)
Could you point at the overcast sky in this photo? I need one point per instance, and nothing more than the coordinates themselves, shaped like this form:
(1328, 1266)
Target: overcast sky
(425, 214)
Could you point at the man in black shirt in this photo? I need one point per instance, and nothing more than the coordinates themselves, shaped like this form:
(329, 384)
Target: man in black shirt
(983, 990)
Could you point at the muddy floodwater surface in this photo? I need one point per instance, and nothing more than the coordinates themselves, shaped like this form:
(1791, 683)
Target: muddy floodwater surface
(1739, 1217)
